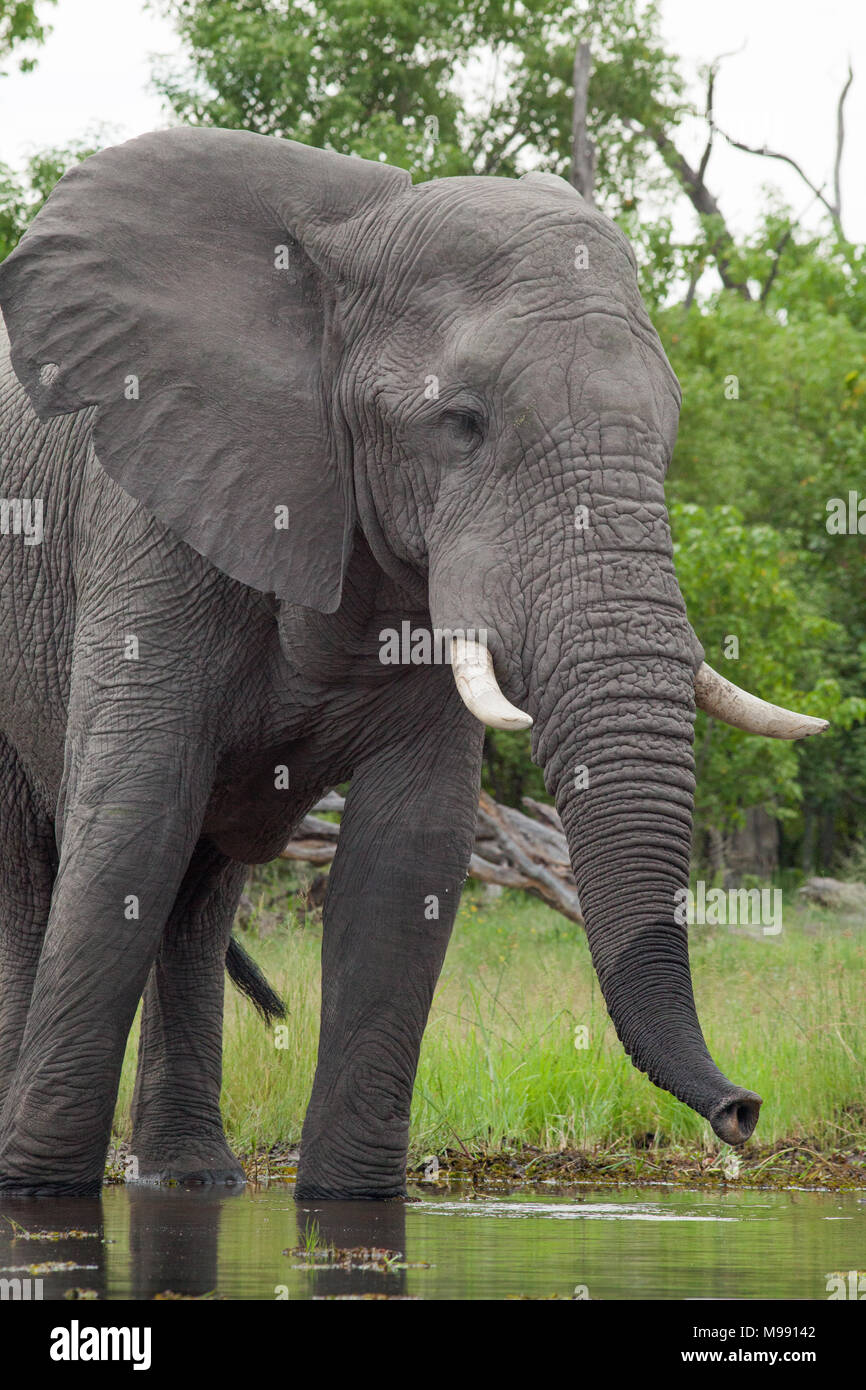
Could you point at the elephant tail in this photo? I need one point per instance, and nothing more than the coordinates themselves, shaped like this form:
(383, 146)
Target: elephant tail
(245, 974)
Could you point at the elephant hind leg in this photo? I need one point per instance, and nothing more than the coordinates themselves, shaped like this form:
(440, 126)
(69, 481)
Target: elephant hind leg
(28, 864)
(177, 1126)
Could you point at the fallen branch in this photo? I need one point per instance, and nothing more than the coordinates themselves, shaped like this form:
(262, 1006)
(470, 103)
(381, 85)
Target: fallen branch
(548, 875)
(512, 850)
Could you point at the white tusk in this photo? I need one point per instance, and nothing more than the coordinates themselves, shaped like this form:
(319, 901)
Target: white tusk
(479, 689)
(727, 702)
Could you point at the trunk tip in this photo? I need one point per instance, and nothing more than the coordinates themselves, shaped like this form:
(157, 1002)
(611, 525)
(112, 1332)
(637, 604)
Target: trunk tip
(735, 1119)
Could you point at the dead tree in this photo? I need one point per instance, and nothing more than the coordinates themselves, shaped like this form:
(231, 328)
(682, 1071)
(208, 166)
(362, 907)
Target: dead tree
(582, 148)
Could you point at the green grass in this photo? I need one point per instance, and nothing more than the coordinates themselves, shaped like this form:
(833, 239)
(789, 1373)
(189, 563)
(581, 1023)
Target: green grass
(499, 1067)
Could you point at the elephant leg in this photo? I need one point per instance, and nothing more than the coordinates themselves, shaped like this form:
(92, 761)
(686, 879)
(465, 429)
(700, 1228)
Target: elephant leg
(27, 867)
(177, 1126)
(129, 818)
(405, 842)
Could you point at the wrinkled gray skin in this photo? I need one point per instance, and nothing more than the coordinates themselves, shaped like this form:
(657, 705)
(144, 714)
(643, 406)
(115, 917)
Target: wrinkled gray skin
(307, 384)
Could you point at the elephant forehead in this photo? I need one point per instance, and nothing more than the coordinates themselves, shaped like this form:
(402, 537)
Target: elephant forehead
(544, 324)
(484, 227)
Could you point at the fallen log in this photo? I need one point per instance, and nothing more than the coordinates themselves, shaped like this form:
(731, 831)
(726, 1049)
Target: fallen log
(512, 849)
(310, 851)
(833, 893)
(546, 867)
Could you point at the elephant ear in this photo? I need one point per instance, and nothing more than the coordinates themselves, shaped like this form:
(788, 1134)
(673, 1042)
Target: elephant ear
(183, 283)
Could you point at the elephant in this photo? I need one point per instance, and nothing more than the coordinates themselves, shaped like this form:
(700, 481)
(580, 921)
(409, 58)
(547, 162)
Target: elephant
(263, 403)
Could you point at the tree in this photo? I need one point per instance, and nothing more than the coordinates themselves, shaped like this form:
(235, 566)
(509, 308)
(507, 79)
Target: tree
(438, 87)
(21, 23)
(774, 424)
(748, 596)
(22, 194)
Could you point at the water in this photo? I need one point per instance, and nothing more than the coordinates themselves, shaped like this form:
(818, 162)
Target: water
(607, 1244)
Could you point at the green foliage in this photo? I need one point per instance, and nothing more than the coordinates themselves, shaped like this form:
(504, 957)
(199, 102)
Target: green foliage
(435, 86)
(22, 195)
(15, 210)
(508, 772)
(774, 415)
(776, 445)
(21, 23)
(748, 597)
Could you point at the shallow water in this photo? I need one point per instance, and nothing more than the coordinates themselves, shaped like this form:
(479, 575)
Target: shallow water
(621, 1244)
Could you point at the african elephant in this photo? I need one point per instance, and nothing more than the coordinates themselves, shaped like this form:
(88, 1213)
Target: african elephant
(271, 403)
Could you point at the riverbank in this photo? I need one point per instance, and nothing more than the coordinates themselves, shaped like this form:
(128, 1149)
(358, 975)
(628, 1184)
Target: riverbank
(779, 1167)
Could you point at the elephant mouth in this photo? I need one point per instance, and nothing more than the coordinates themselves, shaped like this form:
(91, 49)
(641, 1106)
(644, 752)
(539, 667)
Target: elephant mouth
(734, 1118)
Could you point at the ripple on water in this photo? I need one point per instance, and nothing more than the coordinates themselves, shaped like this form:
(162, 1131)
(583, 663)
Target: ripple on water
(582, 1211)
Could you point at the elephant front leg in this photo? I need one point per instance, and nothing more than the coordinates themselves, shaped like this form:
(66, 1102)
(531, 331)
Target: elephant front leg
(177, 1126)
(27, 863)
(129, 825)
(405, 843)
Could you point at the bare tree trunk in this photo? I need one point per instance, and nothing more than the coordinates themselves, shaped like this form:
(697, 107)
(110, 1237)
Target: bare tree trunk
(582, 148)
(827, 839)
(716, 853)
(807, 852)
(704, 203)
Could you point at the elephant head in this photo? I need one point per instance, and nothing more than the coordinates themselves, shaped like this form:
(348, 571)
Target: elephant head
(288, 347)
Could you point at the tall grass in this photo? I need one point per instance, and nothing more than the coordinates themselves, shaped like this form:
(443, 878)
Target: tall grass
(499, 1065)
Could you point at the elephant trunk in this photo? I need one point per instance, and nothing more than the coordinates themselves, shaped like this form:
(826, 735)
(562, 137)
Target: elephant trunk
(616, 747)
(613, 710)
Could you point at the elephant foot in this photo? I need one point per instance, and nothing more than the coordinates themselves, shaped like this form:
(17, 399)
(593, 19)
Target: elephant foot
(333, 1188)
(12, 1186)
(198, 1166)
(314, 1193)
(324, 1176)
(173, 1176)
(27, 1174)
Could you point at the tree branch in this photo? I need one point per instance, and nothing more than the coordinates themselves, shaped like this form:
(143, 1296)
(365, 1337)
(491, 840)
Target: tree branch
(777, 260)
(767, 153)
(708, 113)
(840, 141)
(705, 205)
(500, 152)
(545, 883)
(834, 208)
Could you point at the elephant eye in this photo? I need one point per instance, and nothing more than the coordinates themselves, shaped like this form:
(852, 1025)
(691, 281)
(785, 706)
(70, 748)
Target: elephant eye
(464, 427)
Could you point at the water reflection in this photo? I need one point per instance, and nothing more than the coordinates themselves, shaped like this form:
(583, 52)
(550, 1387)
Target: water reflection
(362, 1230)
(36, 1232)
(142, 1243)
(174, 1239)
